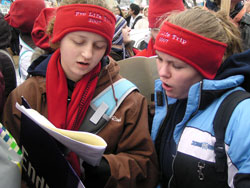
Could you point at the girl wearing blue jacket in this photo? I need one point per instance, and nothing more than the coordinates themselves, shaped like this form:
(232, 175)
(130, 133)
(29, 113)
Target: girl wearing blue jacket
(200, 62)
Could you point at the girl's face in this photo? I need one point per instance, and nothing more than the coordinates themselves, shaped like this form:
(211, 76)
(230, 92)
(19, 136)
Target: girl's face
(81, 51)
(146, 12)
(176, 75)
(117, 11)
(154, 32)
(126, 34)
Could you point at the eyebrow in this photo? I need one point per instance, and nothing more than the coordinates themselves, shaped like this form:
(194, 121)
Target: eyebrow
(169, 61)
(85, 37)
(158, 55)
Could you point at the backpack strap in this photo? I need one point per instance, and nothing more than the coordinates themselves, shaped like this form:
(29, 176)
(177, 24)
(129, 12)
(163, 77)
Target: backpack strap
(136, 19)
(220, 123)
(103, 106)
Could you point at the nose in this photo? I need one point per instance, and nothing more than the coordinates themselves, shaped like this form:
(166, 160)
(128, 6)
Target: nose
(87, 51)
(164, 71)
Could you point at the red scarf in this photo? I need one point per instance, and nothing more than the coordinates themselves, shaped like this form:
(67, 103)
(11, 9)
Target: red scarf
(59, 113)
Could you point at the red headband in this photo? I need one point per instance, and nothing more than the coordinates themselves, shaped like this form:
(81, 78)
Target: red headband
(84, 17)
(202, 53)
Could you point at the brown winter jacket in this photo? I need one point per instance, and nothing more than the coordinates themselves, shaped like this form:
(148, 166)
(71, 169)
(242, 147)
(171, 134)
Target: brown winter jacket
(130, 151)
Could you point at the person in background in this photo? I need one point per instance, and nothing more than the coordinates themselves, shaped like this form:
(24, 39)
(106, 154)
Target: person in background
(40, 36)
(133, 15)
(117, 11)
(7, 66)
(122, 45)
(70, 78)
(193, 83)
(2, 97)
(240, 14)
(51, 3)
(186, 4)
(157, 11)
(21, 16)
(143, 23)
(238, 8)
(14, 43)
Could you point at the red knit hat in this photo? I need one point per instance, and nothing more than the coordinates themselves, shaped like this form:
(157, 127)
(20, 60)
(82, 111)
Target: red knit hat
(84, 17)
(203, 54)
(22, 14)
(157, 8)
(39, 35)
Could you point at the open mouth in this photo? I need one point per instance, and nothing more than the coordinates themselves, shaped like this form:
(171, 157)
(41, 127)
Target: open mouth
(167, 87)
(82, 63)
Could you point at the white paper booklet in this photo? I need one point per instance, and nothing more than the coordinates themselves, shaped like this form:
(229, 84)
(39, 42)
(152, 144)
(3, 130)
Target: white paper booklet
(89, 147)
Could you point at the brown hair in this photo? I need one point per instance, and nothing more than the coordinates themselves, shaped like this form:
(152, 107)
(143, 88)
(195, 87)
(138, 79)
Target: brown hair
(213, 25)
(101, 3)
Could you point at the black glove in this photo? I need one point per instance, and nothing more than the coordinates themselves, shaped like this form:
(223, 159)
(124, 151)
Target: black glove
(96, 176)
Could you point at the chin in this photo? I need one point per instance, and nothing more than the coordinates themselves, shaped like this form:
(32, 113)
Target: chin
(171, 95)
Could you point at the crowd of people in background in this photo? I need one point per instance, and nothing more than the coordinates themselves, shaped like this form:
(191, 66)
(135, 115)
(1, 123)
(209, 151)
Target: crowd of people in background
(67, 57)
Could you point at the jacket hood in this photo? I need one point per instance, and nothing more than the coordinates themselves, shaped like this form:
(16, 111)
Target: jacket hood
(238, 64)
(234, 72)
(39, 66)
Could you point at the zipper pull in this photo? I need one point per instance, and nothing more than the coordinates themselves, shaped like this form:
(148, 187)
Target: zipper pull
(201, 165)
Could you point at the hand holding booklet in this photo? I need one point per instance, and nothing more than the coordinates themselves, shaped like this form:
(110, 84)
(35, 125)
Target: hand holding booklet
(88, 146)
(43, 146)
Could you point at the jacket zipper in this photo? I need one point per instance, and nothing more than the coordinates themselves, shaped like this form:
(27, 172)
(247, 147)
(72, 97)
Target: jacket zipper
(201, 83)
(158, 134)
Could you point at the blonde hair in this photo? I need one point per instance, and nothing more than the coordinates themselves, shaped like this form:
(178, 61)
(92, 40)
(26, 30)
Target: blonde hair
(101, 3)
(213, 25)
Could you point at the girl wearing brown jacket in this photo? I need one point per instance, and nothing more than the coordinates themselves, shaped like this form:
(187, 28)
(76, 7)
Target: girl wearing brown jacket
(62, 86)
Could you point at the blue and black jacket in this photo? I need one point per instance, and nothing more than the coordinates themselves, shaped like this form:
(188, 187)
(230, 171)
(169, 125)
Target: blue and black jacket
(183, 130)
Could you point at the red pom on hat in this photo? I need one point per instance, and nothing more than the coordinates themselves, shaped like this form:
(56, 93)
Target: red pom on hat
(157, 8)
(39, 35)
(22, 14)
